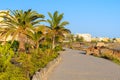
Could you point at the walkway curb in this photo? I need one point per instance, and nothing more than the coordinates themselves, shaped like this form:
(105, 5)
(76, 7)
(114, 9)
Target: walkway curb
(43, 73)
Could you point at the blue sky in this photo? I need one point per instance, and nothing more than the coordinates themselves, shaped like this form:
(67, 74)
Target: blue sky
(101, 18)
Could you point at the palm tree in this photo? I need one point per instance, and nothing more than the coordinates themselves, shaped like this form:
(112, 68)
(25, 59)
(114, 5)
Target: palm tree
(38, 35)
(19, 23)
(57, 27)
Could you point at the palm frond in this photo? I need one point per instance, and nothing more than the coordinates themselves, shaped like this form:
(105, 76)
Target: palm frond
(64, 24)
(50, 15)
(37, 22)
(50, 22)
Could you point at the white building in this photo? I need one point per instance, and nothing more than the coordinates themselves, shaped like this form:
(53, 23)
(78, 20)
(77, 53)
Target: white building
(86, 37)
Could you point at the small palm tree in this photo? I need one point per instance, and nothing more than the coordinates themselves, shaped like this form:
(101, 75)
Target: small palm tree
(57, 27)
(19, 23)
(38, 35)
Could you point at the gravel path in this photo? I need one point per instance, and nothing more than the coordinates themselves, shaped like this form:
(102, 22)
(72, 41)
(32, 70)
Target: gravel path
(77, 66)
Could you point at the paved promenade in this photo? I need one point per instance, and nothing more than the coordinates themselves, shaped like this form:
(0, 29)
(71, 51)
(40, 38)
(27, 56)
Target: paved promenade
(77, 66)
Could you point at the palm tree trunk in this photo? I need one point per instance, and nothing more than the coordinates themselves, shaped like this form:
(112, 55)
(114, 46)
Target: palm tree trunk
(21, 40)
(37, 45)
(53, 42)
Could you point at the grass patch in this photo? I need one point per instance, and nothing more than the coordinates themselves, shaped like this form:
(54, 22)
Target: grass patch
(111, 57)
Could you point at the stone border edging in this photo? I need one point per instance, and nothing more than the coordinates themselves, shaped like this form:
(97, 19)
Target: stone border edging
(43, 73)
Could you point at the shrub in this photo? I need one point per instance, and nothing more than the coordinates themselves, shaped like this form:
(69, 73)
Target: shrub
(6, 53)
(111, 57)
(9, 71)
(23, 66)
(13, 73)
(41, 59)
(58, 48)
(14, 45)
(26, 64)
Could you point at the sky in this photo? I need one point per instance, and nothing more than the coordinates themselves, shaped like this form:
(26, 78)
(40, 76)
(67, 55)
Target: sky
(100, 18)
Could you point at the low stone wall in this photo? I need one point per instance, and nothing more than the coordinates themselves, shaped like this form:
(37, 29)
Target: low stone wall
(106, 51)
(111, 52)
(43, 73)
(98, 51)
(93, 50)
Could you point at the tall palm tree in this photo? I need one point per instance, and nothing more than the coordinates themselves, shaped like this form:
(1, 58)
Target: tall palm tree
(19, 23)
(57, 26)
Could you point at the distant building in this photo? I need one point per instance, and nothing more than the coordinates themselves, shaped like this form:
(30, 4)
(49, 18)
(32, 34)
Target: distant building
(86, 37)
(101, 39)
(104, 39)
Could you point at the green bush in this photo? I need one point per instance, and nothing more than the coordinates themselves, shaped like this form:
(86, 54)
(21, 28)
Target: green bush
(26, 64)
(14, 45)
(58, 48)
(6, 53)
(44, 47)
(41, 59)
(23, 66)
(9, 71)
(13, 73)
